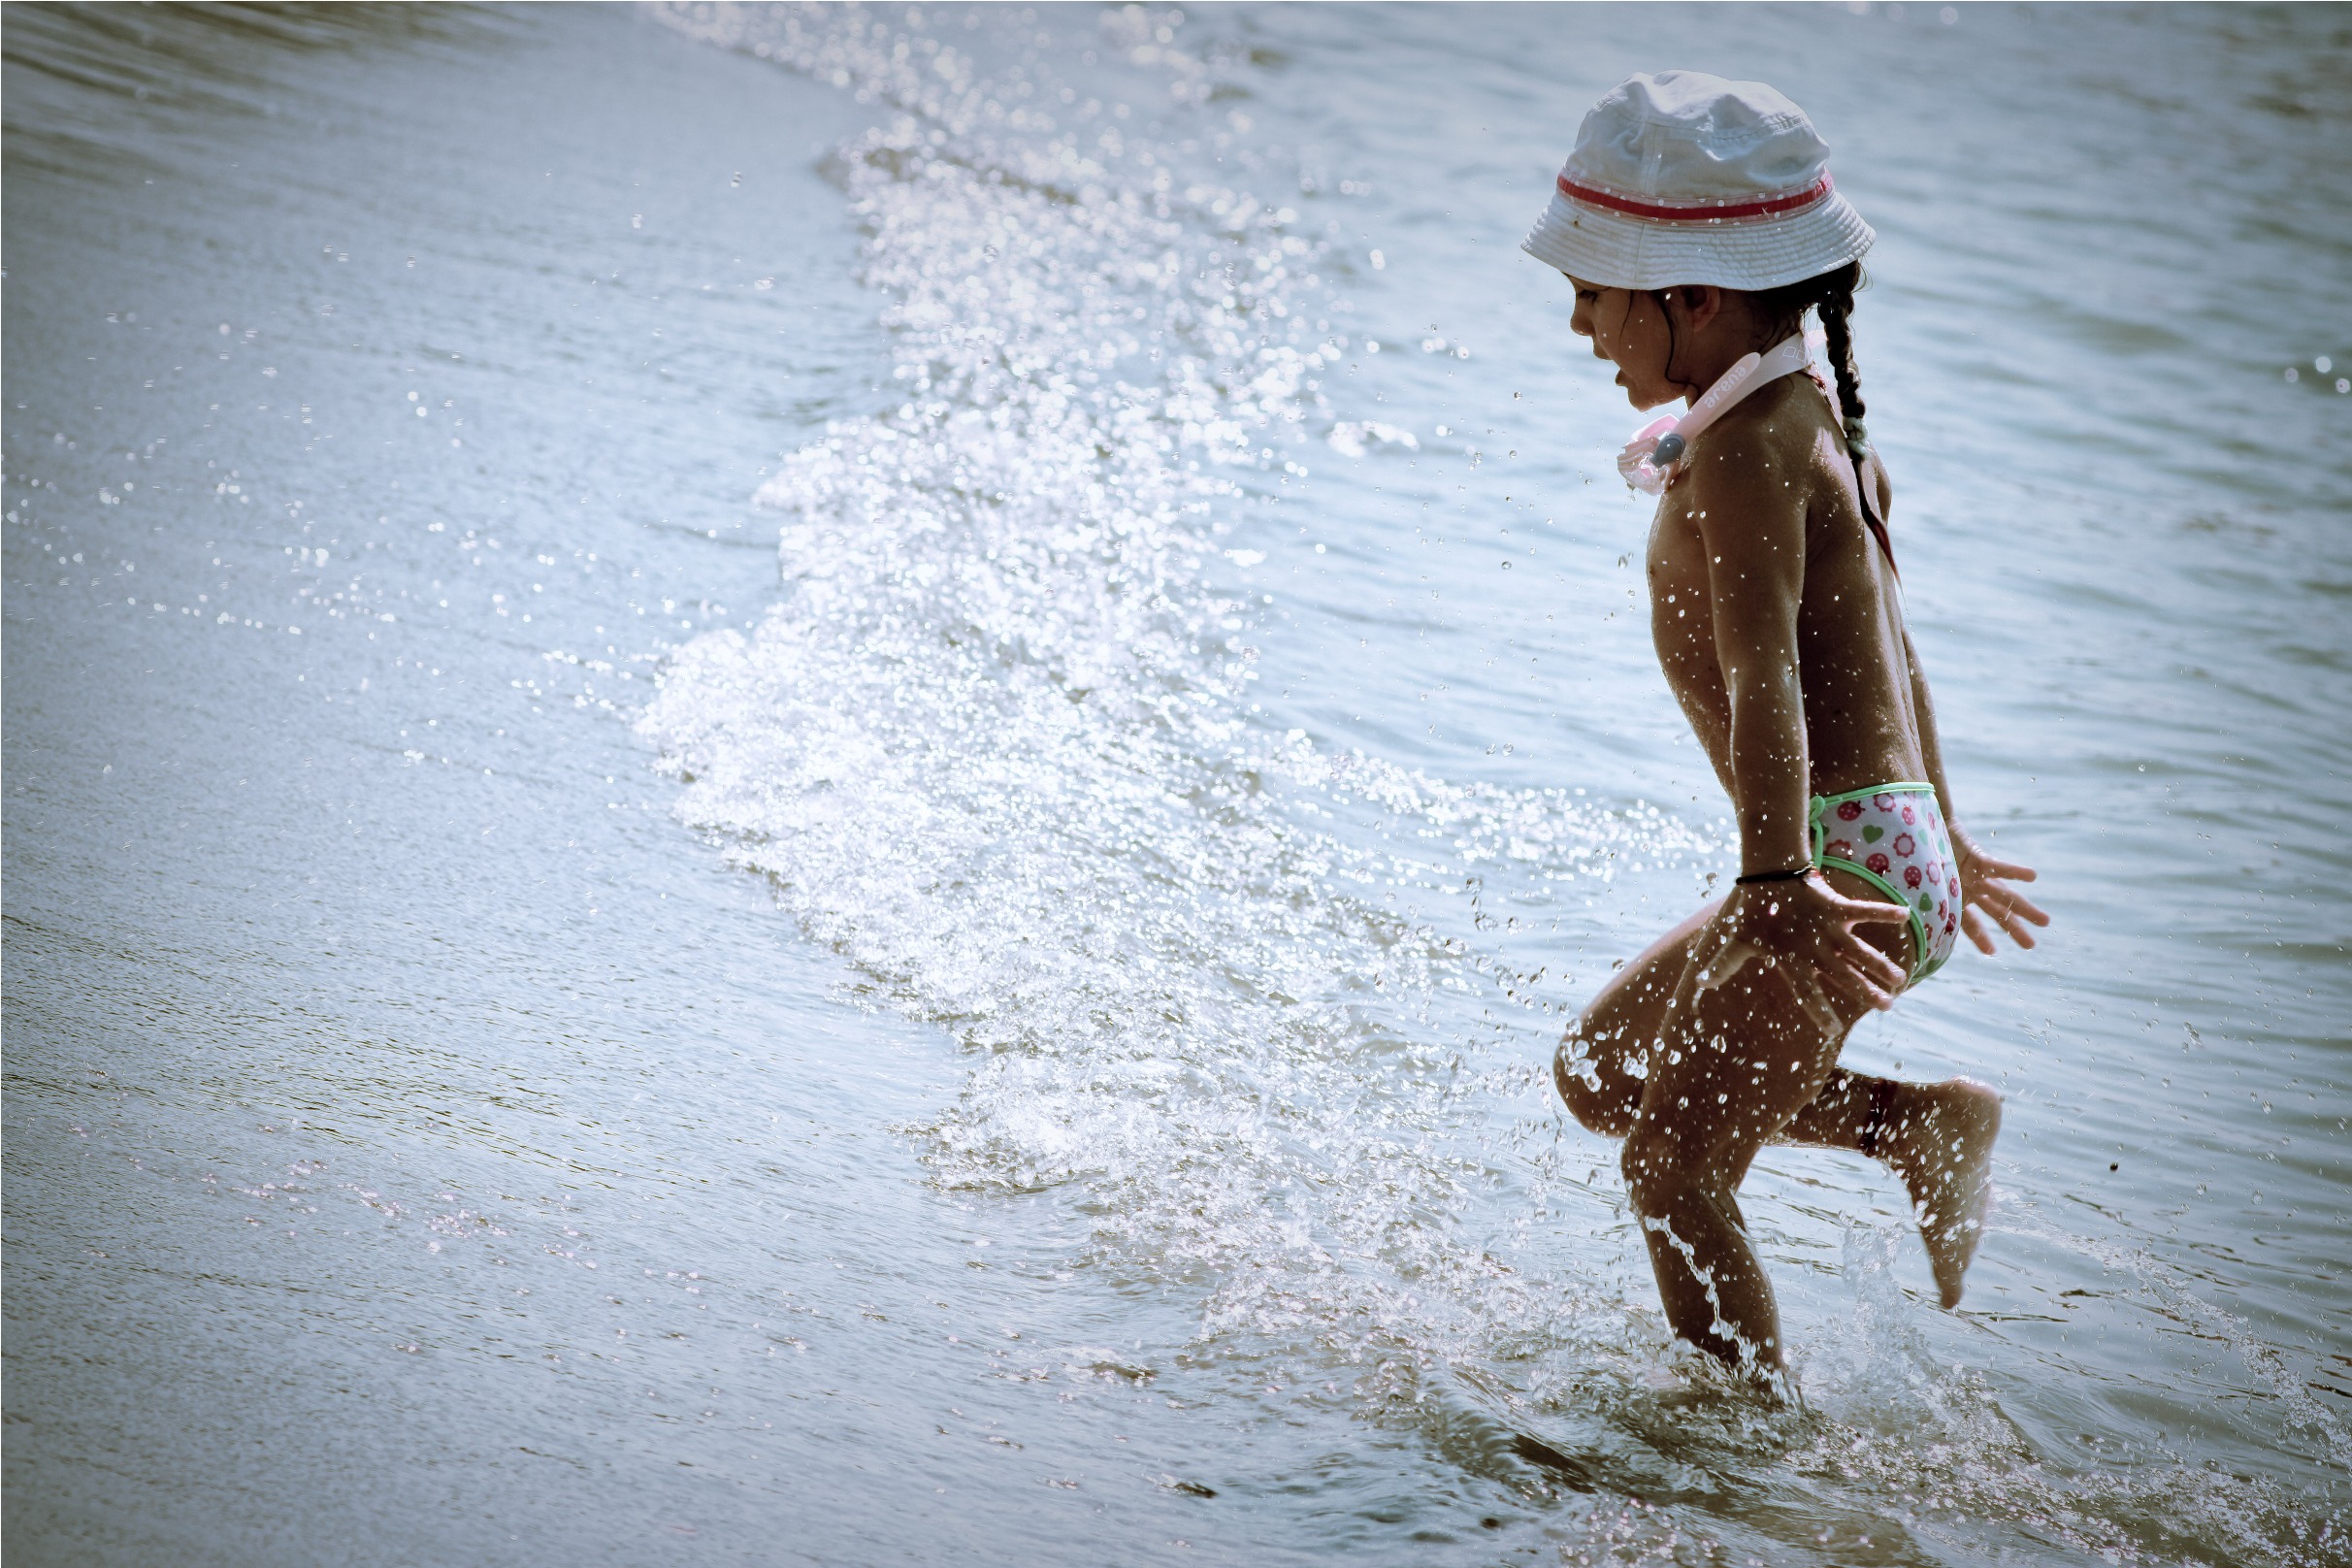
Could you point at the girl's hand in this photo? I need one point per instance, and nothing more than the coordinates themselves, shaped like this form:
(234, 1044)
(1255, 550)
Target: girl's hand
(1806, 922)
(1985, 891)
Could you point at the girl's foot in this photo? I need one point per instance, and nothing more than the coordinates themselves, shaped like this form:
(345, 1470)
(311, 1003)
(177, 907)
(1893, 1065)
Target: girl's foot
(1941, 1146)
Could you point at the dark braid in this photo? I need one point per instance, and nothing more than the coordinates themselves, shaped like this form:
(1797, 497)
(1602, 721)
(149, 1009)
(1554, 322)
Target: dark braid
(1831, 295)
(1835, 305)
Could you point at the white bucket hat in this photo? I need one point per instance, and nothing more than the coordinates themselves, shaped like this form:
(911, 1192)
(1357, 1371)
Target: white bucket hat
(1683, 177)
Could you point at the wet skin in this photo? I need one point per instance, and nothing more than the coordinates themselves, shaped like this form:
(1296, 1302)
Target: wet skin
(1780, 628)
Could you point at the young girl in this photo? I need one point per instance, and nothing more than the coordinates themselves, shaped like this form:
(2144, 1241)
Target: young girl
(1697, 220)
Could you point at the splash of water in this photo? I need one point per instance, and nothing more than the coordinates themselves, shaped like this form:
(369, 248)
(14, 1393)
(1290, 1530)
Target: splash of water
(996, 744)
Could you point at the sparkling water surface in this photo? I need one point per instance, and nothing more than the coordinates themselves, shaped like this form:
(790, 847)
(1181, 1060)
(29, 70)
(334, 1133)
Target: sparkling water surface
(820, 786)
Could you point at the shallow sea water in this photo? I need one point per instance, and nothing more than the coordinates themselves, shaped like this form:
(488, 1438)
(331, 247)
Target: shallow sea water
(820, 785)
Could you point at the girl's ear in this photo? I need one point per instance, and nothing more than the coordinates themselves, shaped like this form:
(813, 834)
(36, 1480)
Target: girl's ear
(1702, 303)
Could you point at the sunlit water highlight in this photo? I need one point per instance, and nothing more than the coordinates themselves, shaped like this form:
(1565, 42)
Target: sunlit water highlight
(1232, 738)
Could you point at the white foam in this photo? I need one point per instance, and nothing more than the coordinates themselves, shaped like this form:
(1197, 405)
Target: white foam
(994, 745)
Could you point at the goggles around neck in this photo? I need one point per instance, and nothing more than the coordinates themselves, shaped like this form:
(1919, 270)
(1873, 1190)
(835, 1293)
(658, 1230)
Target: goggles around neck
(1658, 450)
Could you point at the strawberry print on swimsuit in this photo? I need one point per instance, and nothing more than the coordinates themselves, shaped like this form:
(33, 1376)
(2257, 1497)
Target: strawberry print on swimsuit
(1893, 836)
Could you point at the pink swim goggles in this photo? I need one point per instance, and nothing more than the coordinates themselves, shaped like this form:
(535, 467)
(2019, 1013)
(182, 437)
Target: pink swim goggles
(1651, 460)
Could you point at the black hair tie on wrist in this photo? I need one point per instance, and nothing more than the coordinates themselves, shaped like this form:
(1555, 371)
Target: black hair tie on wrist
(1795, 873)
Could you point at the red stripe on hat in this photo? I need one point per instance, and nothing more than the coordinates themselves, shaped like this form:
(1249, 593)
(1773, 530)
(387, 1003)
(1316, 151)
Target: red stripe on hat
(1702, 213)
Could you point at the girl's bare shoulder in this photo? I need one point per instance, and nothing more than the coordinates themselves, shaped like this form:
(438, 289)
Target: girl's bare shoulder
(1787, 438)
(1782, 432)
(1766, 457)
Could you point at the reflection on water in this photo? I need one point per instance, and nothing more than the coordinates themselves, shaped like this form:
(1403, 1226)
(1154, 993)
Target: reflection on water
(1202, 740)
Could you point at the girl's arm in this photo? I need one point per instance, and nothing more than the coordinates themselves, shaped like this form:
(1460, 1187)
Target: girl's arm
(1752, 525)
(1756, 578)
(1984, 882)
(1931, 749)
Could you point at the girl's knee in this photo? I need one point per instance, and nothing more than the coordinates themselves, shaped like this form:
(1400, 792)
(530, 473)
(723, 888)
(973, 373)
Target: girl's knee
(1601, 1101)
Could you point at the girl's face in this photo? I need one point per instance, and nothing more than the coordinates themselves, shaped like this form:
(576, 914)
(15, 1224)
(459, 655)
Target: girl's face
(1628, 330)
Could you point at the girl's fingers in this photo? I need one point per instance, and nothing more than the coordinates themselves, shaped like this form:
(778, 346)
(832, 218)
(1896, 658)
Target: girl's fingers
(2007, 907)
(1874, 965)
(2027, 908)
(2013, 912)
(1847, 986)
(1884, 971)
(1980, 931)
(2008, 871)
(1878, 997)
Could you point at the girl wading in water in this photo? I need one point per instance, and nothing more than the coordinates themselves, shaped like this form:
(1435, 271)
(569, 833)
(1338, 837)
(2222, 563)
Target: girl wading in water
(1697, 220)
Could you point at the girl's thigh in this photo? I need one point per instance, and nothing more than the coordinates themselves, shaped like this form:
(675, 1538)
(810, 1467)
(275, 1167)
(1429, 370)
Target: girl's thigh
(1617, 1028)
(1734, 1064)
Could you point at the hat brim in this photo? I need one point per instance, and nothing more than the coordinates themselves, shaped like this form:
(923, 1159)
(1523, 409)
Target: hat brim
(1617, 250)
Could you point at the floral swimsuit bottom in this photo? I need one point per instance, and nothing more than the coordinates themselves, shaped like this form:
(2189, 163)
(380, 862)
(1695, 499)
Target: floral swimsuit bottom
(1893, 837)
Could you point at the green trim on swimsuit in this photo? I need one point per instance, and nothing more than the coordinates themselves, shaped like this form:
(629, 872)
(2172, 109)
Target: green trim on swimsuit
(1820, 801)
(1922, 966)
